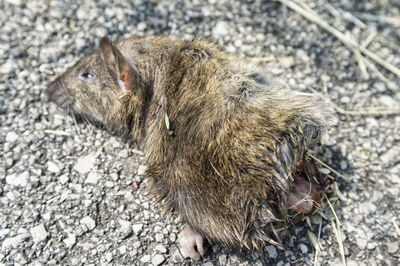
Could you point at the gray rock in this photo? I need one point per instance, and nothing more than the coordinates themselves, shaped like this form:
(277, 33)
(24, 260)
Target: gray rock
(272, 251)
(7, 67)
(380, 86)
(88, 223)
(13, 242)
(4, 232)
(367, 207)
(137, 228)
(20, 180)
(108, 257)
(159, 237)
(52, 167)
(145, 259)
(303, 248)
(141, 170)
(361, 243)
(70, 241)
(93, 178)
(38, 233)
(125, 226)
(161, 248)
(12, 137)
(158, 259)
(221, 29)
(85, 163)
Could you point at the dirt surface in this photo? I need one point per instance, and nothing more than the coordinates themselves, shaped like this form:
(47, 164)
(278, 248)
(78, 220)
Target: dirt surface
(72, 194)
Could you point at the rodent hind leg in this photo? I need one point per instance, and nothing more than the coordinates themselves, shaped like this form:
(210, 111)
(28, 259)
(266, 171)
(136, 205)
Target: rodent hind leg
(191, 243)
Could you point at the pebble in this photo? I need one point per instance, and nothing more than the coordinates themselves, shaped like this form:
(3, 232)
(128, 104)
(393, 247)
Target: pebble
(125, 226)
(137, 228)
(141, 170)
(52, 167)
(38, 233)
(85, 163)
(20, 180)
(303, 248)
(380, 86)
(13, 242)
(11, 137)
(88, 222)
(392, 247)
(108, 257)
(145, 259)
(158, 259)
(70, 241)
(93, 178)
(161, 248)
(361, 243)
(272, 252)
(222, 259)
(221, 29)
(7, 67)
(367, 207)
(4, 232)
(159, 237)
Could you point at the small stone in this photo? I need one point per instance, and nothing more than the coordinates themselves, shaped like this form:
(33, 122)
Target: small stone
(141, 170)
(176, 255)
(38, 233)
(367, 207)
(70, 241)
(158, 259)
(4, 232)
(14, 242)
(361, 243)
(7, 67)
(222, 259)
(272, 252)
(286, 62)
(88, 222)
(85, 163)
(108, 257)
(93, 178)
(159, 237)
(379, 86)
(122, 249)
(141, 26)
(388, 101)
(52, 167)
(343, 165)
(19, 181)
(161, 248)
(392, 247)
(145, 259)
(221, 29)
(303, 248)
(125, 226)
(137, 228)
(390, 155)
(11, 137)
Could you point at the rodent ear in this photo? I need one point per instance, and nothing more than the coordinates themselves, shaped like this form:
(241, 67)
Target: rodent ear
(116, 62)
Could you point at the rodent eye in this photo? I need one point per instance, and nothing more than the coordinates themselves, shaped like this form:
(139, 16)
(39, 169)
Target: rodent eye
(87, 75)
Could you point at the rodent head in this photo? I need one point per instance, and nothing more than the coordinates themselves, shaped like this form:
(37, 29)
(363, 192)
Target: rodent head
(94, 86)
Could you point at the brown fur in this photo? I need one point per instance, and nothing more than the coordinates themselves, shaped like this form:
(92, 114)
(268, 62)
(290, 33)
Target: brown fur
(220, 139)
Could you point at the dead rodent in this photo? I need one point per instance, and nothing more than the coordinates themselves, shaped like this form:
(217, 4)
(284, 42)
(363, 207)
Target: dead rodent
(224, 146)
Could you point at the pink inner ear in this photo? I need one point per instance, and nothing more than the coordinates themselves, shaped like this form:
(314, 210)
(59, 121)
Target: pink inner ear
(126, 78)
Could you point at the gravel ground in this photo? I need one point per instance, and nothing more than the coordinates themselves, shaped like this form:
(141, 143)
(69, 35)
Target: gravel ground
(73, 194)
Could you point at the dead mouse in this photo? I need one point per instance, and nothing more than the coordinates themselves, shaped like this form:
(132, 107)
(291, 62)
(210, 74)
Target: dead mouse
(224, 146)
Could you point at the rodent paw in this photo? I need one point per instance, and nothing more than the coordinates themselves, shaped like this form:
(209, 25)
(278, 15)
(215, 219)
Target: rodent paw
(191, 244)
